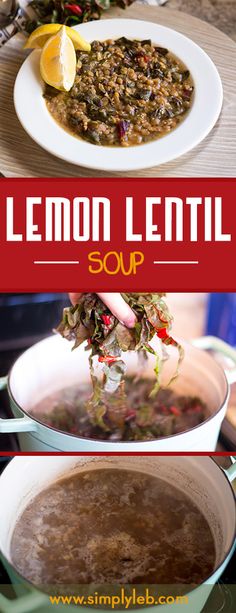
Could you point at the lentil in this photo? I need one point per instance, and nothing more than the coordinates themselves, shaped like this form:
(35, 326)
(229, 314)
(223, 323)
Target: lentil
(126, 92)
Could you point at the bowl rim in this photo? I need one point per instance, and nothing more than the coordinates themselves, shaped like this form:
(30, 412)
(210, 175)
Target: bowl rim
(177, 142)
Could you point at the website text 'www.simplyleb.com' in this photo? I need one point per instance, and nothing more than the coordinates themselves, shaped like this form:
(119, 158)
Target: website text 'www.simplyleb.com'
(123, 600)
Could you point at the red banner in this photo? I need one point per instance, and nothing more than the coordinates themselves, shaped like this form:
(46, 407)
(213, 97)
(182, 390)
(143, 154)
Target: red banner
(117, 234)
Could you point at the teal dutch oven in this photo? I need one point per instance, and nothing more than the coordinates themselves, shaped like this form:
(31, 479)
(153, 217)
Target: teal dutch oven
(50, 365)
(205, 482)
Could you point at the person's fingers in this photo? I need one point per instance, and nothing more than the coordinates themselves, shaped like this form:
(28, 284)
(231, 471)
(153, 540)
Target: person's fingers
(74, 298)
(119, 308)
(116, 304)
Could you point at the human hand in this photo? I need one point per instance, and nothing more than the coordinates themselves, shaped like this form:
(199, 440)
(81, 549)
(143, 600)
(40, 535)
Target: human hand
(117, 306)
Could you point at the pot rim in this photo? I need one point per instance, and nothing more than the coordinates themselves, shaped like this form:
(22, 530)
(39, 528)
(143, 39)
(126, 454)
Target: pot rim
(115, 443)
(229, 551)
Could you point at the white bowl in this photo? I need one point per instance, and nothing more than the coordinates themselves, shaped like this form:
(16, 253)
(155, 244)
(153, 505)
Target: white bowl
(37, 121)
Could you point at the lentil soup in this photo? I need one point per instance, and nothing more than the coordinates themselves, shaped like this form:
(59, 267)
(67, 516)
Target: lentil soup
(126, 92)
(113, 526)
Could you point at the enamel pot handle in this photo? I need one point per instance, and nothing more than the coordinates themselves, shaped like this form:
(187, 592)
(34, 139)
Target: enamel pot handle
(32, 601)
(212, 343)
(231, 471)
(3, 383)
(18, 424)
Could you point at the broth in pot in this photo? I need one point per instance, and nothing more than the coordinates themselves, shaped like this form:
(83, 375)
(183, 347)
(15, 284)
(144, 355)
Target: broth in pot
(112, 526)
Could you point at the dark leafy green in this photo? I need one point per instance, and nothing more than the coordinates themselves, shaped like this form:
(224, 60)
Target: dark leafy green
(144, 419)
(107, 339)
(71, 13)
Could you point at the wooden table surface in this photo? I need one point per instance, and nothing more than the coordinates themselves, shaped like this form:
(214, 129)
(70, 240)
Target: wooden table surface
(215, 156)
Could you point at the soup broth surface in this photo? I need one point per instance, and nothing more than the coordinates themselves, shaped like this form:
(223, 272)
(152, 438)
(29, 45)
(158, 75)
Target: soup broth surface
(142, 417)
(112, 526)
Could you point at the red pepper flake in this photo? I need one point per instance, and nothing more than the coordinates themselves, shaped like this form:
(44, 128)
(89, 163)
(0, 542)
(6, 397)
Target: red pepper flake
(108, 359)
(175, 411)
(162, 333)
(106, 319)
(142, 56)
(73, 8)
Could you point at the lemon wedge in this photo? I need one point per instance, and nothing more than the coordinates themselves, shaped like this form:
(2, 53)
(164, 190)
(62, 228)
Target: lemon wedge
(58, 61)
(40, 36)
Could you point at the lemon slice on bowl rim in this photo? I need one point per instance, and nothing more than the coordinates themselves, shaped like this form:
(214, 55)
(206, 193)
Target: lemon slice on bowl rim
(58, 61)
(40, 36)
